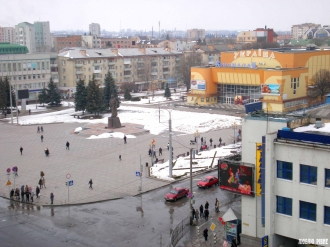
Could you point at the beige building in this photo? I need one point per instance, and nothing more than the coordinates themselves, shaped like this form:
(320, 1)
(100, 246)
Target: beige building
(299, 31)
(142, 66)
(95, 29)
(131, 42)
(195, 34)
(7, 34)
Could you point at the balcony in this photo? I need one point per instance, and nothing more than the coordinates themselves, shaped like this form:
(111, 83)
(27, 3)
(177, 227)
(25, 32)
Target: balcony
(98, 78)
(140, 61)
(166, 72)
(166, 65)
(127, 69)
(55, 80)
(154, 73)
(127, 75)
(97, 64)
(78, 65)
(112, 63)
(53, 65)
(97, 71)
(79, 72)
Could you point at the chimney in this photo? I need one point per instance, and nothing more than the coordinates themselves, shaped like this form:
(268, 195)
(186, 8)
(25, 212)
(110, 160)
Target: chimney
(83, 52)
(143, 50)
(114, 50)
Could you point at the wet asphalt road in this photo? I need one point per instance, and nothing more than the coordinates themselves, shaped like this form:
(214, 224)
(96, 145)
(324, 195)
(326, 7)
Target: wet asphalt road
(131, 221)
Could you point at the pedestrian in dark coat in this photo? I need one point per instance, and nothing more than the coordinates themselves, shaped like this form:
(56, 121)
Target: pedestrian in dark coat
(201, 211)
(220, 140)
(51, 198)
(119, 157)
(206, 205)
(38, 130)
(42, 138)
(234, 242)
(168, 147)
(160, 151)
(149, 152)
(27, 194)
(211, 142)
(217, 205)
(40, 183)
(193, 213)
(205, 233)
(29, 111)
(67, 145)
(12, 193)
(206, 214)
(90, 184)
(22, 193)
(32, 195)
(125, 139)
(42, 129)
(21, 150)
(201, 139)
(37, 192)
(47, 152)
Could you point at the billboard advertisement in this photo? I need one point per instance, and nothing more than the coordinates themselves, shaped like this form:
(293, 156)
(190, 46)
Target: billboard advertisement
(241, 100)
(197, 84)
(23, 94)
(236, 178)
(270, 89)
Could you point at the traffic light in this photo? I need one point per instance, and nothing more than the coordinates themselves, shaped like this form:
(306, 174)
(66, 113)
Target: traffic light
(66, 183)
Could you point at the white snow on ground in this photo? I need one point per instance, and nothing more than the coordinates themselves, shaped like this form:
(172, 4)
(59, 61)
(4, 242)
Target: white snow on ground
(153, 100)
(161, 171)
(77, 130)
(110, 135)
(154, 120)
(311, 127)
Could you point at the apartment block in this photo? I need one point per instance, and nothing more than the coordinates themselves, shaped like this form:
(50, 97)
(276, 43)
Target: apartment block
(66, 41)
(7, 34)
(95, 29)
(142, 66)
(299, 31)
(25, 35)
(257, 35)
(195, 34)
(42, 36)
(131, 42)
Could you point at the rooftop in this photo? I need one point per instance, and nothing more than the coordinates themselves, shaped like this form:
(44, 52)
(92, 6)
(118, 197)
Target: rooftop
(7, 48)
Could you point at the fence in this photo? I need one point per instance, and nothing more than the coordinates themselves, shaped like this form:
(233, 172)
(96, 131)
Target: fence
(179, 231)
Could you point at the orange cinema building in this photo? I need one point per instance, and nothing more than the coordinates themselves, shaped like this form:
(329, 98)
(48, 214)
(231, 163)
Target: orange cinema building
(277, 77)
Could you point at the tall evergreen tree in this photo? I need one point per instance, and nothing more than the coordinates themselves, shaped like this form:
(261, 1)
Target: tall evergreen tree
(80, 98)
(110, 89)
(42, 96)
(127, 95)
(3, 95)
(9, 89)
(94, 97)
(53, 94)
(167, 91)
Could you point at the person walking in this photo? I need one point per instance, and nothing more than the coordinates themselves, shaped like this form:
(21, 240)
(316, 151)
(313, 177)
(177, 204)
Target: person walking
(44, 182)
(211, 142)
(16, 172)
(42, 138)
(90, 184)
(22, 193)
(38, 129)
(67, 145)
(149, 152)
(32, 195)
(201, 140)
(125, 138)
(206, 205)
(196, 214)
(40, 183)
(12, 194)
(27, 194)
(206, 214)
(21, 150)
(51, 198)
(217, 205)
(160, 151)
(205, 233)
(29, 111)
(42, 129)
(168, 146)
(47, 152)
(38, 192)
(220, 140)
(119, 157)
(201, 210)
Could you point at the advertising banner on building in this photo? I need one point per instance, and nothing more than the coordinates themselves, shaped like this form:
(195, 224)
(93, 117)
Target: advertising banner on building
(241, 100)
(236, 178)
(197, 85)
(270, 89)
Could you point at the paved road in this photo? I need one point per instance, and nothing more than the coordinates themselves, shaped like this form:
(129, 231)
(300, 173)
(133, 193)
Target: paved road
(132, 221)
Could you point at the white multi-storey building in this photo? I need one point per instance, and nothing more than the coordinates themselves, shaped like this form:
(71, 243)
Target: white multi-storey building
(25, 35)
(95, 29)
(292, 181)
(42, 36)
(7, 34)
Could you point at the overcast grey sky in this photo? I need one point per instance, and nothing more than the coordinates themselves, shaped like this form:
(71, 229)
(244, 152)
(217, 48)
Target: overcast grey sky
(179, 14)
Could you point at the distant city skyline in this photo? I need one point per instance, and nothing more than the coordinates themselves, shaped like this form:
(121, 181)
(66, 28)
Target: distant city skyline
(180, 15)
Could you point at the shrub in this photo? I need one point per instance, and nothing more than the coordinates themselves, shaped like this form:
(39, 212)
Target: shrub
(136, 99)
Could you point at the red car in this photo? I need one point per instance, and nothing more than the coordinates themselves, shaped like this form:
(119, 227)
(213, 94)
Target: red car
(176, 193)
(207, 182)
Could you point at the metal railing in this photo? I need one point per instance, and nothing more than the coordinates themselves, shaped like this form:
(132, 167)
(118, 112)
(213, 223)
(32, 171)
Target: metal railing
(179, 231)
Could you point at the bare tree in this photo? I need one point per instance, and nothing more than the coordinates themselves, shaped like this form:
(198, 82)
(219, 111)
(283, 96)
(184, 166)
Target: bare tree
(320, 85)
(188, 60)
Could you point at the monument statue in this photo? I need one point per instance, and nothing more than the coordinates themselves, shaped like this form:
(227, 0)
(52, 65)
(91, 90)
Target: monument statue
(113, 106)
(113, 121)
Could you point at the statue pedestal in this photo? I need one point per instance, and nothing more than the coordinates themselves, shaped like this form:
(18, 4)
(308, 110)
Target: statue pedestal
(114, 122)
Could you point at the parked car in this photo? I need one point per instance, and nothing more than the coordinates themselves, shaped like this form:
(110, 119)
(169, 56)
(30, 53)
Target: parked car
(207, 182)
(176, 193)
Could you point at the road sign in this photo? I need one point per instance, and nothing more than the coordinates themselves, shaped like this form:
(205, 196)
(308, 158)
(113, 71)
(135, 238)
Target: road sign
(8, 183)
(264, 241)
(70, 182)
(138, 174)
(68, 175)
(212, 227)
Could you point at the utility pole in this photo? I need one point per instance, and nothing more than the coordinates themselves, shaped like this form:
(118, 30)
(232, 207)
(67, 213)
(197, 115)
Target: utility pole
(170, 146)
(191, 190)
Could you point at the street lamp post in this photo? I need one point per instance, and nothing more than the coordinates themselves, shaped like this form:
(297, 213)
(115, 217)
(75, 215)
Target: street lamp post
(170, 140)
(197, 136)
(234, 127)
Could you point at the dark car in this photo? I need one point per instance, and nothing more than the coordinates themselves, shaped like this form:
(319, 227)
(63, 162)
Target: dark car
(176, 193)
(207, 182)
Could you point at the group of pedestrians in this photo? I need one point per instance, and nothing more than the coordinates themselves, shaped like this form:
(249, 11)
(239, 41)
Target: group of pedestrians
(25, 194)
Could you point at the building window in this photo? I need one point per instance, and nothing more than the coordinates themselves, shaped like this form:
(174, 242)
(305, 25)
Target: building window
(308, 174)
(207, 99)
(307, 210)
(63, 70)
(284, 205)
(63, 62)
(64, 77)
(327, 178)
(326, 215)
(284, 170)
(202, 99)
